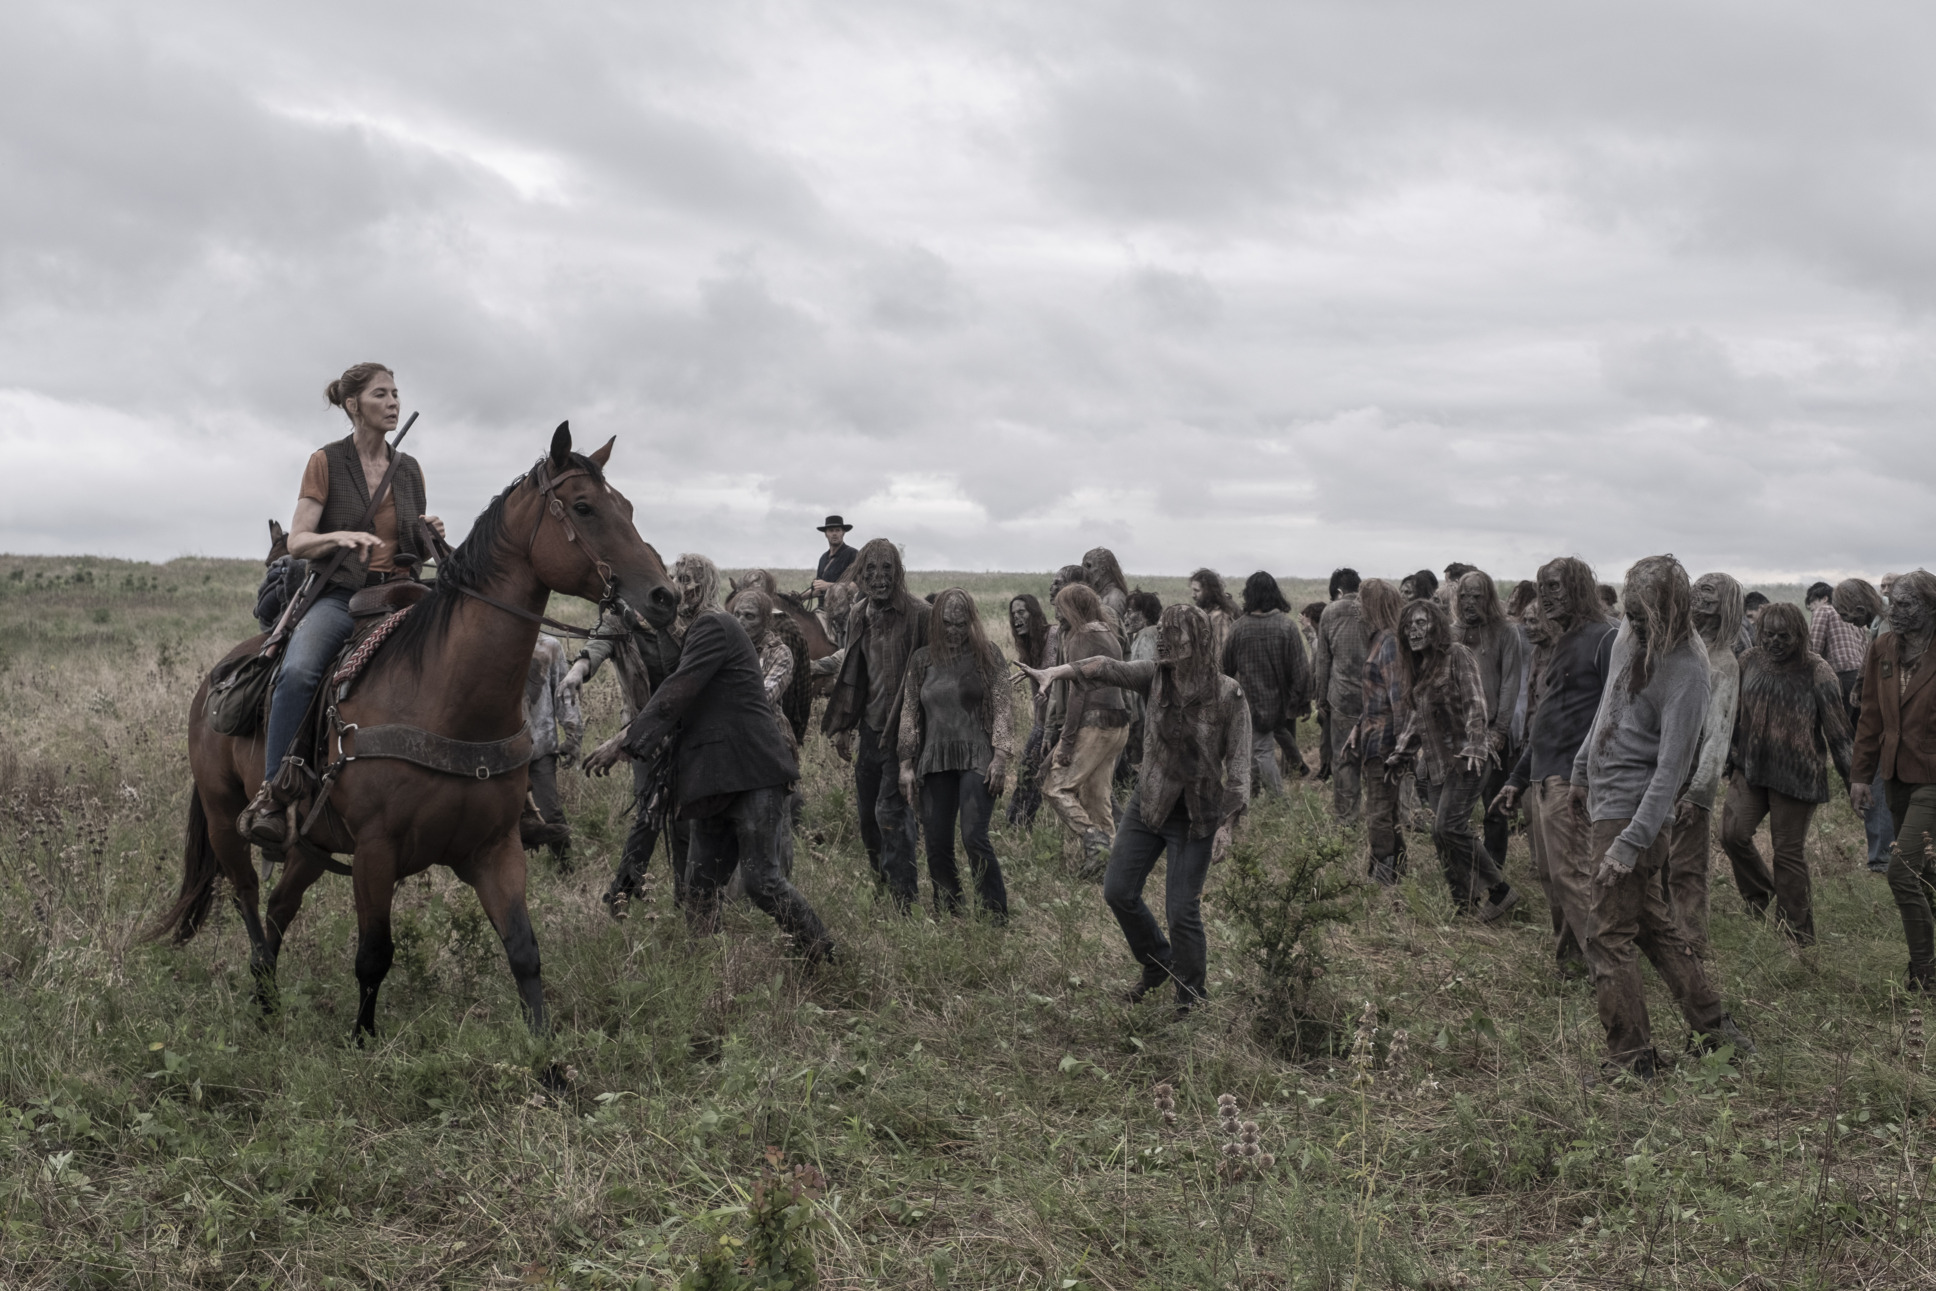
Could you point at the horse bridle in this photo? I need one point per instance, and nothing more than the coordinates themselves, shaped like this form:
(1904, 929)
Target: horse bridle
(551, 504)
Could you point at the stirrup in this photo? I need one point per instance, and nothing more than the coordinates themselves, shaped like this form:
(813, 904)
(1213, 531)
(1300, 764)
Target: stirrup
(264, 822)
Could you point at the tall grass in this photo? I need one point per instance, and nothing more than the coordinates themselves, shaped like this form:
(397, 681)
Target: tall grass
(979, 1100)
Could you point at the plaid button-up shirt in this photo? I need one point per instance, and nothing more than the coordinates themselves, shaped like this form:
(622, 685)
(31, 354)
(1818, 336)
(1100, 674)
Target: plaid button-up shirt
(1265, 654)
(1842, 644)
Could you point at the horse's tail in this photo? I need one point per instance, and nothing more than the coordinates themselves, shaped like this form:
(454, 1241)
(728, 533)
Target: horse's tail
(199, 876)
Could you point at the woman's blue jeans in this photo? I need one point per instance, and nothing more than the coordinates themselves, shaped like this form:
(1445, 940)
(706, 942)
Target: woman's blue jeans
(312, 648)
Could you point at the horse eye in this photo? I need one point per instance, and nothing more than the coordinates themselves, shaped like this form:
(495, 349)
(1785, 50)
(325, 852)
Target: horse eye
(582, 508)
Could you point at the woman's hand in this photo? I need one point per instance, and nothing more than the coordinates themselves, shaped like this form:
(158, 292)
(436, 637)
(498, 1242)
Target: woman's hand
(1045, 677)
(575, 679)
(351, 541)
(908, 789)
(997, 778)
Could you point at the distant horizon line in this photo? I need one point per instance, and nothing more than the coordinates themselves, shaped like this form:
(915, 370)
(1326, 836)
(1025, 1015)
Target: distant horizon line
(1230, 580)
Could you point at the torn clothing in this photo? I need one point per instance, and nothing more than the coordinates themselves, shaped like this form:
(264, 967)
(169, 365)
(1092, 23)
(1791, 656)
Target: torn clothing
(1091, 705)
(1630, 918)
(881, 640)
(643, 656)
(1499, 654)
(1265, 653)
(1338, 658)
(1447, 717)
(1569, 692)
(949, 719)
(1641, 747)
(1789, 717)
(776, 676)
(1195, 750)
(1717, 731)
(1381, 701)
(715, 703)
(1842, 645)
(550, 711)
(1896, 735)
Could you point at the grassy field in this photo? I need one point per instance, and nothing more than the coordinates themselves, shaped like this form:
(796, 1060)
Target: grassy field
(979, 1100)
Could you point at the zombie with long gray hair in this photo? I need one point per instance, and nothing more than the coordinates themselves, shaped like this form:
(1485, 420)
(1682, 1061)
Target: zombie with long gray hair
(1579, 659)
(1447, 726)
(1860, 605)
(956, 741)
(1715, 602)
(1193, 786)
(1896, 740)
(1626, 776)
(1791, 714)
(884, 631)
(698, 581)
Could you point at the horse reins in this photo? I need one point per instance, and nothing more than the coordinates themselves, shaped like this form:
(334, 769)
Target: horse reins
(547, 487)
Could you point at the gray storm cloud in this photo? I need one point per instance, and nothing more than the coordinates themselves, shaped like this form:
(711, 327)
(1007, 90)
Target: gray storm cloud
(1280, 285)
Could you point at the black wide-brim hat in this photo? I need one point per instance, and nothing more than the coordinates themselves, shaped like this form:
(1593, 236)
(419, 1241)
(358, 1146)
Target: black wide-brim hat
(835, 522)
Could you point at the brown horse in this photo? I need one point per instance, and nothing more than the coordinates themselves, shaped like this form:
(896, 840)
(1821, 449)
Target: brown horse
(455, 668)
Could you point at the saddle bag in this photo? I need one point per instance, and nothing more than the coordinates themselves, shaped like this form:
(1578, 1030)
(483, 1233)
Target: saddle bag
(236, 691)
(280, 583)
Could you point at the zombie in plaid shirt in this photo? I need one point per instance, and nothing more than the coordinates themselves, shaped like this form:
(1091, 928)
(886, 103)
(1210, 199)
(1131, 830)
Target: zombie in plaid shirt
(1841, 644)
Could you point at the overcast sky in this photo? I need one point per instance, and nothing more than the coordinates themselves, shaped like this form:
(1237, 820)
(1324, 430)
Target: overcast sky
(1279, 284)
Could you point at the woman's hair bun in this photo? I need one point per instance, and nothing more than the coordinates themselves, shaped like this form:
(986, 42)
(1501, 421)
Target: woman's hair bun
(353, 382)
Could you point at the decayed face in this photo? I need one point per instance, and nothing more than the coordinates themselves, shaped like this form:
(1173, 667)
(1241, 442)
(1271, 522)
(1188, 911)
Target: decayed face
(1472, 606)
(1172, 644)
(1538, 630)
(749, 617)
(1091, 569)
(1859, 617)
(1777, 639)
(690, 588)
(877, 579)
(1636, 620)
(1056, 585)
(1418, 630)
(954, 624)
(1196, 591)
(1705, 602)
(1554, 603)
(1908, 611)
(1134, 622)
(1407, 588)
(1018, 619)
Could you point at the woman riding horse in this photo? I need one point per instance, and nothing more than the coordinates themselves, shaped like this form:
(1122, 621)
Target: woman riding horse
(330, 505)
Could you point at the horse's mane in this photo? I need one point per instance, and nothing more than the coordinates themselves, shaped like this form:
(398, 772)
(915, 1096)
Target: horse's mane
(474, 564)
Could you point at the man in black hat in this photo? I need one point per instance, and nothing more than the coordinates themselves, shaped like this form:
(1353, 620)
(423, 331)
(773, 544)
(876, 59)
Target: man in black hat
(836, 559)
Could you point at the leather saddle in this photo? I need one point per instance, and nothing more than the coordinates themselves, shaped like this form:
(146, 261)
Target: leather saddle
(386, 598)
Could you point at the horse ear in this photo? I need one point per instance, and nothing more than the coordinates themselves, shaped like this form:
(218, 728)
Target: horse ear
(604, 454)
(561, 445)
